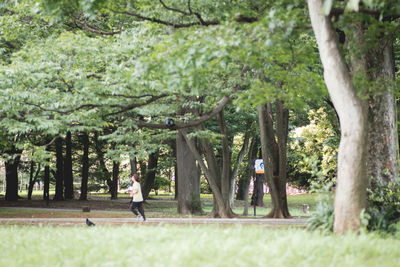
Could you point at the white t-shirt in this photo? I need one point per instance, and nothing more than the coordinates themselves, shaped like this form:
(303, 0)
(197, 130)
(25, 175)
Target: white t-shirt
(137, 197)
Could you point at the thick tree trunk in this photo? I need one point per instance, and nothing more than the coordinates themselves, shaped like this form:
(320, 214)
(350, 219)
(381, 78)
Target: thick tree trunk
(220, 208)
(12, 178)
(59, 192)
(85, 167)
(350, 197)
(226, 163)
(189, 179)
(68, 176)
(150, 175)
(273, 150)
(382, 159)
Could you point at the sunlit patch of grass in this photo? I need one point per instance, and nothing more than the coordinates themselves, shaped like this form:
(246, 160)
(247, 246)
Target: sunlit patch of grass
(204, 245)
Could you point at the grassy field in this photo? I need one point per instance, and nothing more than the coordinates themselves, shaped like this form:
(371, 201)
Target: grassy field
(190, 246)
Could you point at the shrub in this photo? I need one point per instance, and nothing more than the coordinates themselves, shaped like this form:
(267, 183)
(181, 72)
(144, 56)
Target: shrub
(384, 207)
(323, 217)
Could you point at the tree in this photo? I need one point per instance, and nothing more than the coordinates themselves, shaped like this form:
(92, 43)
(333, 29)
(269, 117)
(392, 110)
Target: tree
(352, 107)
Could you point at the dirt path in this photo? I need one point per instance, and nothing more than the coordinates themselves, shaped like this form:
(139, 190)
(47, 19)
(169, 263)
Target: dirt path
(301, 222)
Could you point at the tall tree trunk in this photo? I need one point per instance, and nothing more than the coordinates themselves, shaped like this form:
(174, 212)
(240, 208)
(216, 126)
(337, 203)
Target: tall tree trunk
(32, 179)
(244, 183)
(85, 167)
(189, 178)
(59, 192)
(226, 163)
(258, 191)
(238, 162)
(220, 208)
(46, 182)
(150, 175)
(350, 197)
(100, 158)
(12, 177)
(68, 176)
(114, 182)
(273, 149)
(382, 159)
(133, 162)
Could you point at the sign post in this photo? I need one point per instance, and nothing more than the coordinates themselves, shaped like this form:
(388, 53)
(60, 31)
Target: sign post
(259, 166)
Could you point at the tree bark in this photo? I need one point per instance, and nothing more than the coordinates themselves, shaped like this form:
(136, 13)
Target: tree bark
(189, 179)
(100, 158)
(59, 192)
(244, 183)
(12, 177)
(238, 162)
(210, 171)
(382, 159)
(46, 183)
(350, 197)
(150, 175)
(85, 167)
(114, 182)
(258, 191)
(32, 179)
(273, 150)
(68, 176)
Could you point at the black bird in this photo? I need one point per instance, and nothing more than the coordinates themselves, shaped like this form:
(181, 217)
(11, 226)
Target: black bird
(89, 223)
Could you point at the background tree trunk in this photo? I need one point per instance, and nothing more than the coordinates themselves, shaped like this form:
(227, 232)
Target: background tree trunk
(238, 162)
(258, 191)
(46, 184)
(244, 182)
(68, 176)
(85, 167)
(12, 178)
(32, 179)
(150, 176)
(114, 182)
(273, 150)
(59, 192)
(189, 179)
(382, 159)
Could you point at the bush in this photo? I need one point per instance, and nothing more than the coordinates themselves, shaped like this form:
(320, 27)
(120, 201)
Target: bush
(161, 183)
(384, 207)
(323, 217)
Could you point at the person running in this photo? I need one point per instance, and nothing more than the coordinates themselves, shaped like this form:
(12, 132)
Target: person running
(137, 198)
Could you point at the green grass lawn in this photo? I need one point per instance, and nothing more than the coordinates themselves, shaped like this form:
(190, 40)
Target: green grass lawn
(206, 245)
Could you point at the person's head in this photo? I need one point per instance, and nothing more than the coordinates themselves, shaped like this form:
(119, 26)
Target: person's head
(135, 177)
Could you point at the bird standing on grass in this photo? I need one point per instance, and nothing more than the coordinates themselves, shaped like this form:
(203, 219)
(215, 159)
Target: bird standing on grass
(89, 223)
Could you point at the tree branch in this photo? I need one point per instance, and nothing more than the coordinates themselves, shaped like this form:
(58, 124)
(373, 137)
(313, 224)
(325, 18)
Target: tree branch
(159, 21)
(84, 26)
(220, 105)
(123, 107)
(174, 9)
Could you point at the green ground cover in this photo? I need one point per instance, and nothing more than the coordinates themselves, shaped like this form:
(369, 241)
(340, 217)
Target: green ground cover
(209, 245)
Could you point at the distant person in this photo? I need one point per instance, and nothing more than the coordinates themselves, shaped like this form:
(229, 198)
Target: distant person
(137, 198)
